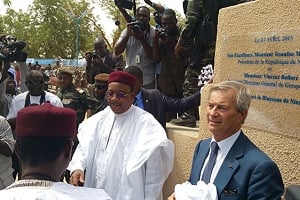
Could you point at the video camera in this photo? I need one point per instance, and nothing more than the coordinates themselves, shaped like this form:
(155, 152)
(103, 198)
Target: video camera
(11, 49)
(162, 33)
(137, 26)
(127, 4)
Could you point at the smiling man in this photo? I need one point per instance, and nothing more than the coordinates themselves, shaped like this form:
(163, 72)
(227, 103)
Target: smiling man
(229, 160)
(122, 149)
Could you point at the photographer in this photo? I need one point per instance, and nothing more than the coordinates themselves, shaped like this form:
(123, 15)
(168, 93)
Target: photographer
(173, 67)
(101, 60)
(136, 39)
(201, 28)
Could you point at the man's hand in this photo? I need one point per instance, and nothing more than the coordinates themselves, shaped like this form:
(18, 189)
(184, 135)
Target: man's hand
(172, 197)
(97, 61)
(88, 57)
(156, 36)
(77, 178)
(129, 31)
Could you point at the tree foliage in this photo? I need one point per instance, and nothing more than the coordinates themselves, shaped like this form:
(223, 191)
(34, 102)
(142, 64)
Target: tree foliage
(49, 27)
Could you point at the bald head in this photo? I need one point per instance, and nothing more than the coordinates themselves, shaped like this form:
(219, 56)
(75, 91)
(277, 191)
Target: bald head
(100, 46)
(99, 40)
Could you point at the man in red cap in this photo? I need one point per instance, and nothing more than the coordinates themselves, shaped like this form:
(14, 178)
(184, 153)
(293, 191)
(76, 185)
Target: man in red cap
(122, 149)
(44, 154)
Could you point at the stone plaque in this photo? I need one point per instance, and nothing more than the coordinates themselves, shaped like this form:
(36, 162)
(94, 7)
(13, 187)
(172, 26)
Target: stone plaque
(268, 63)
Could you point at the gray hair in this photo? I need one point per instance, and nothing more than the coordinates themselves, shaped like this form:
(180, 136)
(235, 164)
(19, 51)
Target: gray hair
(243, 97)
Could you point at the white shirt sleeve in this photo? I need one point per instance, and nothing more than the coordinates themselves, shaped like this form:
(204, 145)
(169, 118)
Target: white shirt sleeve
(78, 160)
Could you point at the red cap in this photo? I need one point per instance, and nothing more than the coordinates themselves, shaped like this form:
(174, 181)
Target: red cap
(122, 77)
(46, 121)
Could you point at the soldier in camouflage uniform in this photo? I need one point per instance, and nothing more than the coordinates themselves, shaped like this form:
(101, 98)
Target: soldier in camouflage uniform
(201, 28)
(99, 91)
(71, 97)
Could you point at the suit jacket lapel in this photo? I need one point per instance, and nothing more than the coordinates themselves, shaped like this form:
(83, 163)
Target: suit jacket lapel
(145, 97)
(199, 161)
(230, 164)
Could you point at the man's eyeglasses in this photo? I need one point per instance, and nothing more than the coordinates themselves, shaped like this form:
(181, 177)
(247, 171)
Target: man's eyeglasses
(119, 95)
(35, 82)
(100, 86)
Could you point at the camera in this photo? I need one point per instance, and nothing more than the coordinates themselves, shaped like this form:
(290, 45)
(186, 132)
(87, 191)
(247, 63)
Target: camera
(137, 26)
(95, 55)
(127, 4)
(92, 55)
(11, 49)
(162, 33)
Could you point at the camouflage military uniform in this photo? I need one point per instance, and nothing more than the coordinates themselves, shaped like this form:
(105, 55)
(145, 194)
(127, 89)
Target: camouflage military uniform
(201, 29)
(76, 99)
(98, 107)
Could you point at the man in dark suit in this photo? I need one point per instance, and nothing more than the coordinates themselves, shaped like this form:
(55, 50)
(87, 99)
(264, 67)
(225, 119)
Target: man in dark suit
(241, 170)
(154, 102)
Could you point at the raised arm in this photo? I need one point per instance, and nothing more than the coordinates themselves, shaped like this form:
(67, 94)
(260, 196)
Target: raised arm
(122, 42)
(158, 7)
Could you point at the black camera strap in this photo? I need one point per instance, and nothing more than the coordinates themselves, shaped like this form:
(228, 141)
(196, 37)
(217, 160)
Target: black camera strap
(134, 8)
(42, 99)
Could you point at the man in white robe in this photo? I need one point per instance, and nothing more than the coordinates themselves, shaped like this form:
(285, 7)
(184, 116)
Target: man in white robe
(122, 149)
(36, 95)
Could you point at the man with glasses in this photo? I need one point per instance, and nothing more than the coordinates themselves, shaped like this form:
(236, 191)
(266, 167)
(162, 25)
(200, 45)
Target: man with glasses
(36, 95)
(122, 149)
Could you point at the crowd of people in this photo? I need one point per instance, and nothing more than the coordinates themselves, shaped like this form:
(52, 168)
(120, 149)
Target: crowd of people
(100, 132)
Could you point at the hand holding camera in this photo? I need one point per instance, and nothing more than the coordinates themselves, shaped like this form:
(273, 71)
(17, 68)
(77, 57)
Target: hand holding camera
(162, 33)
(11, 49)
(136, 29)
(161, 36)
(88, 57)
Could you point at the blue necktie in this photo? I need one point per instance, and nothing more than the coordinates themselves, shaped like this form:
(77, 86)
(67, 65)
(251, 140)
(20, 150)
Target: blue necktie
(211, 162)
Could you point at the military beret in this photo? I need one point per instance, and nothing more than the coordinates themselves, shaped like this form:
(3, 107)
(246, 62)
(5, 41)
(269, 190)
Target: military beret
(122, 77)
(102, 77)
(53, 81)
(46, 120)
(67, 70)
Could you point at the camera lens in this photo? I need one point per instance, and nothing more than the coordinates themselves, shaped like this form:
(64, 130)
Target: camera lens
(136, 28)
